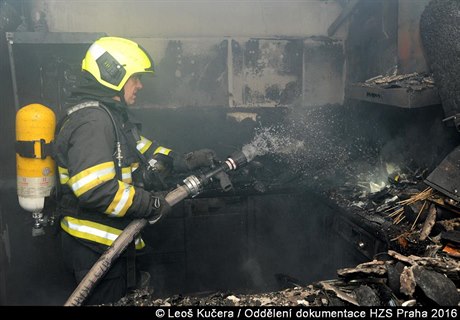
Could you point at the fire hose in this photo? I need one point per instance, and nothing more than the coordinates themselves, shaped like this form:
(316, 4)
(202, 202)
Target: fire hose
(192, 186)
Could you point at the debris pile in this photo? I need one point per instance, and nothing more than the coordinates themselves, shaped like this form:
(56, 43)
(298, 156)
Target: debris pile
(418, 216)
(421, 267)
(411, 81)
(394, 280)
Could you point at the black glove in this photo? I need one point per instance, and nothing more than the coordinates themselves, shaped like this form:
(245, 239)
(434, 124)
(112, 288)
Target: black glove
(159, 207)
(200, 158)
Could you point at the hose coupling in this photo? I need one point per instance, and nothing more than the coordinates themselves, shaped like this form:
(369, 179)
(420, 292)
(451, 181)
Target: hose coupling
(193, 184)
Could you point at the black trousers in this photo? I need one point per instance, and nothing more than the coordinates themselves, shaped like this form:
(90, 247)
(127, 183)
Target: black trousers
(79, 259)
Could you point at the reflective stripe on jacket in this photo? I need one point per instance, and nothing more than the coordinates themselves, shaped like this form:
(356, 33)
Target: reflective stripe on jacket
(106, 195)
(95, 232)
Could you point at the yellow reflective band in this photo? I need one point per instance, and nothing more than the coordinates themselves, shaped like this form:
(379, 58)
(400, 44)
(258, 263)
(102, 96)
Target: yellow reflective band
(143, 144)
(95, 232)
(92, 177)
(134, 166)
(162, 150)
(122, 201)
(63, 175)
(126, 175)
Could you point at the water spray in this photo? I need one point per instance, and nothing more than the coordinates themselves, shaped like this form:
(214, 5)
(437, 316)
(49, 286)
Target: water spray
(192, 186)
(274, 140)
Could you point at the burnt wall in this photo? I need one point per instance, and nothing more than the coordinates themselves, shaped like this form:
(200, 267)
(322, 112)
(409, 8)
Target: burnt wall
(9, 21)
(372, 43)
(243, 72)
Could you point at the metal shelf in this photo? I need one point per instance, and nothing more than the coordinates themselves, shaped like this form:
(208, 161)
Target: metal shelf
(399, 97)
(52, 37)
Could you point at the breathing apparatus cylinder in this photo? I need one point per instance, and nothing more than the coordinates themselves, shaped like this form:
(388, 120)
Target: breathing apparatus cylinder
(35, 125)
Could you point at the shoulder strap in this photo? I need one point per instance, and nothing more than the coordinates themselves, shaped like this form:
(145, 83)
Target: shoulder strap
(83, 105)
(148, 163)
(99, 105)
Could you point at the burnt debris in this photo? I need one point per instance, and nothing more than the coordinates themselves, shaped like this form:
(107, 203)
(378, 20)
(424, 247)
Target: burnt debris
(395, 280)
(420, 267)
(411, 81)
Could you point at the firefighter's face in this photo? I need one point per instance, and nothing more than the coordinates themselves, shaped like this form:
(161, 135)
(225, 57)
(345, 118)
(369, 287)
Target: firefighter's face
(131, 87)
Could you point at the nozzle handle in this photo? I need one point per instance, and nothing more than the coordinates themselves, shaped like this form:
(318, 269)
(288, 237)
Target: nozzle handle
(224, 180)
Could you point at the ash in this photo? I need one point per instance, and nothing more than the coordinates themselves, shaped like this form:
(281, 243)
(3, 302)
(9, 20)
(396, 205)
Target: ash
(390, 280)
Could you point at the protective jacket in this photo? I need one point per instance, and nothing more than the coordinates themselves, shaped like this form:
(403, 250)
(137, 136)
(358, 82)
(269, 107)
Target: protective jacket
(98, 150)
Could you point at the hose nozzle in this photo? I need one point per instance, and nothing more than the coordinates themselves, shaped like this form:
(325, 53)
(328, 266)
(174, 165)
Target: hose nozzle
(236, 160)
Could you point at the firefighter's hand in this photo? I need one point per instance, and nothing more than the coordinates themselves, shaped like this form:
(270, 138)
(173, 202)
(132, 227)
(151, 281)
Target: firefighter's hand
(159, 207)
(200, 158)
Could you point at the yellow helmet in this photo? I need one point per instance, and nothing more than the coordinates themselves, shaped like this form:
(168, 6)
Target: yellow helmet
(112, 60)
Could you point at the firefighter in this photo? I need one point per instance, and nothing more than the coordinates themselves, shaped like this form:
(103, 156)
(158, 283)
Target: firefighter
(107, 169)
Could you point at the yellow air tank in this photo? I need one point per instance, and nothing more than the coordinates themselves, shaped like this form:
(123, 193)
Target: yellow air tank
(35, 125)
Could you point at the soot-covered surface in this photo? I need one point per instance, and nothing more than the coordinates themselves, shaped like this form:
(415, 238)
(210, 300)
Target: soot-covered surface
(440, 30)
(391, 280)
(344, 153)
